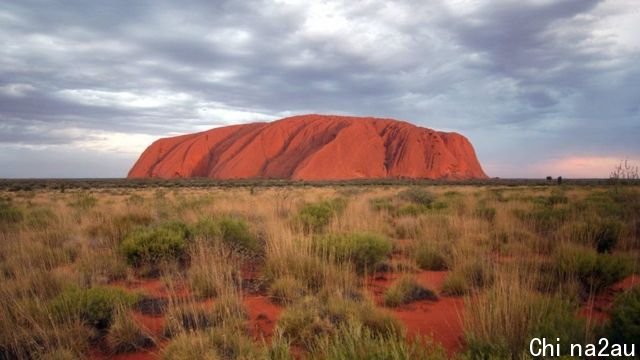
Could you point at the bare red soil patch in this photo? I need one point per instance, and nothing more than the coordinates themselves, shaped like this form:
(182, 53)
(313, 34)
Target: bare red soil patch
(598, 307)
(263, 315)
(441, 320)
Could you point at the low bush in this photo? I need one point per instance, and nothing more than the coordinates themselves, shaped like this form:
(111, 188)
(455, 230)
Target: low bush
(429, 257)
(314, 217)
(151, 246)
(95, 306)
(364, 250)
(595, 272)
(236, 234)
(406, 290)
(624, 327)
(417, 195)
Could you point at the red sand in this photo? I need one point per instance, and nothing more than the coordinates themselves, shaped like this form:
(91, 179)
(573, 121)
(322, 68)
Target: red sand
(263, 315)
(441, 319)
(597, 308)
(313, 147)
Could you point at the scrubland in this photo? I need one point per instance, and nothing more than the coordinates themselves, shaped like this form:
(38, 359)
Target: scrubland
(344, 272)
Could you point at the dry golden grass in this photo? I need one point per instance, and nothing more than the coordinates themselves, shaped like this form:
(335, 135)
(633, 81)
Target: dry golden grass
(501, 246)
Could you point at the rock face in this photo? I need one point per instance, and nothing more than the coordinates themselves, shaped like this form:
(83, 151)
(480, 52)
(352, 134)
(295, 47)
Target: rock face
(313, 147)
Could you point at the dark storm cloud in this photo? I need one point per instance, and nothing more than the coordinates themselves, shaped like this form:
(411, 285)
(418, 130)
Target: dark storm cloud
(558, 76)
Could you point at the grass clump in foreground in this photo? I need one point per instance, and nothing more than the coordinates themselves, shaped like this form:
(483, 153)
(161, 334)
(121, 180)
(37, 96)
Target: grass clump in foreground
(407, 290)
(221, 343)
(95, 306)
(307, 322)
(186, 317)
(500, 323)
(126, 334)
(358, 342)
(364, 250)
(154, 245)
(430, 257)
(287, 290)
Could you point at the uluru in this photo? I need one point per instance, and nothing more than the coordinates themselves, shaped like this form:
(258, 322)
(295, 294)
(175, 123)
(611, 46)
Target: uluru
(313, 147)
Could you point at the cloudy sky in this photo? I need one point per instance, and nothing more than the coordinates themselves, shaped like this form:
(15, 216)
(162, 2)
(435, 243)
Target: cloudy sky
(540, 87)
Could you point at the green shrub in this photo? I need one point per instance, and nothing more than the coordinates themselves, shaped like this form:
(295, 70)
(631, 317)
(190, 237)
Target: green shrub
(151, 246)
(95, 306)
(357, 342)
(234, 233)
(417, 195)
(595, 272)
(624, 327)
(364, 250)
(314, 217)
(407, 290)
(427, 257)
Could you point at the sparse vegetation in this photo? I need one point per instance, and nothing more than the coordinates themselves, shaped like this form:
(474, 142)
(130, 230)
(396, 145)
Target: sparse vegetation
(364, 250)
(275, 270)
(407, 290)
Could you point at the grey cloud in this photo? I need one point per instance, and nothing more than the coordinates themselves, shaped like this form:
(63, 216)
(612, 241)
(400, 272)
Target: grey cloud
(524, 70)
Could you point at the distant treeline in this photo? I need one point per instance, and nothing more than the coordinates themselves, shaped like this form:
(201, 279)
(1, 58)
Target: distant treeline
(62, 184)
